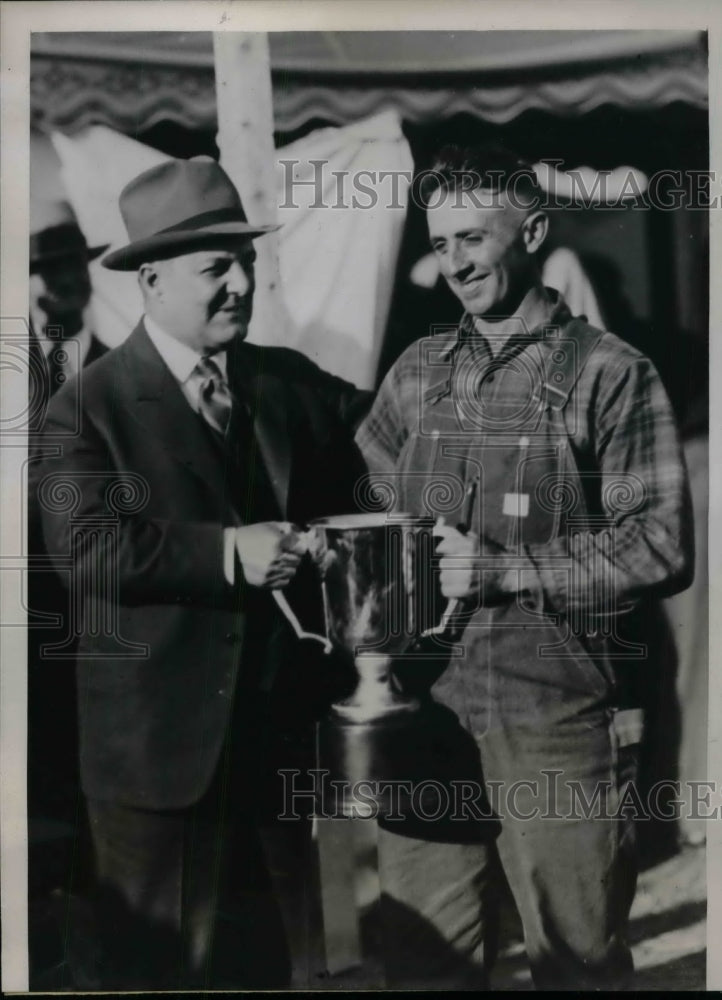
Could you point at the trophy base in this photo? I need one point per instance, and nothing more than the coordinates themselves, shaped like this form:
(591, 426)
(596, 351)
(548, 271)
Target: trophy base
(374, 698)
(403, 768)
(362, 714)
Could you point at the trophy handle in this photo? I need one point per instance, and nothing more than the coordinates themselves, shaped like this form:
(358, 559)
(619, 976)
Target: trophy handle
(280, 598)
(452, 608)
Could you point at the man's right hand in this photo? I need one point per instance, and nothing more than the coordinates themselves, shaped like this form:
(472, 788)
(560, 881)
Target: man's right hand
(463, 559)
(269, 553)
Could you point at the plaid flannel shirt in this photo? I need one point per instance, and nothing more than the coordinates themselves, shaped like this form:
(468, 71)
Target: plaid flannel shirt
(620, 421)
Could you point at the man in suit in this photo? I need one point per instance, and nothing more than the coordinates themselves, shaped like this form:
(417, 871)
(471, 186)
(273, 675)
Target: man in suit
(61, 345)
(59, 295)
(183, 470)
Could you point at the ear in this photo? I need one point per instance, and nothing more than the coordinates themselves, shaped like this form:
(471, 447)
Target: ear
(536, 226)
(149, 281)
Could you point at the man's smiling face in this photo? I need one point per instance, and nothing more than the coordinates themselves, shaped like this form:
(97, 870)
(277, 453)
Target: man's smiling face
(478, 239)
(204, 299)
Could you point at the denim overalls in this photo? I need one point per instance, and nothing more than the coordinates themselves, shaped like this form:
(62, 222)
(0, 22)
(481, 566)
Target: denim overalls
(535, 688)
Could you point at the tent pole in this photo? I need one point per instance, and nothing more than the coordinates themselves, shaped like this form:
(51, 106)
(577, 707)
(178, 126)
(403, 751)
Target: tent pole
(245, 140)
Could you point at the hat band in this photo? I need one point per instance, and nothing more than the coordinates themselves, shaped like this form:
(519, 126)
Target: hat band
(62, 239)
(207, 219)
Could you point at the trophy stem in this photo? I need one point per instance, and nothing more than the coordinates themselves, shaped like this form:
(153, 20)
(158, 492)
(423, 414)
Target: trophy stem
(374, 697)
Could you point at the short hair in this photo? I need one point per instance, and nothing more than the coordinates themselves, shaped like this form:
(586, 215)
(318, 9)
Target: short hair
(490, 167)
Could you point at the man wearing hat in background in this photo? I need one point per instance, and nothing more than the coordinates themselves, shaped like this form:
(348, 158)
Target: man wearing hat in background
(61, 344)
(59, 293)
(196, 454)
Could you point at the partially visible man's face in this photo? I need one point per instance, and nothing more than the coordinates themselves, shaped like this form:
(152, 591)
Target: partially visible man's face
(205, 298)
(59, 292)
(481, 251)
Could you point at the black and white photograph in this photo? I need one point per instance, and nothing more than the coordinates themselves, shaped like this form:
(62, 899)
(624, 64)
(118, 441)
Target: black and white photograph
(356, 541)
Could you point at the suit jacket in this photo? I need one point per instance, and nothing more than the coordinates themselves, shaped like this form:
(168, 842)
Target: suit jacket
(52, 713)
(140, 499)
(46, 596)
(40, 390)
(96, 350)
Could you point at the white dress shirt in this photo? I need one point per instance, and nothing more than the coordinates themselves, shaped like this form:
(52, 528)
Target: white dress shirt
(181, 361)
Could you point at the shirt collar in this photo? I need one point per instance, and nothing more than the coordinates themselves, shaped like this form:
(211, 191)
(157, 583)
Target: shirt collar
(180, 359)
(557, 313)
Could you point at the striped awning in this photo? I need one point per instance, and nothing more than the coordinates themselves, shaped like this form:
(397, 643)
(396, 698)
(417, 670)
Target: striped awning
(131, 81)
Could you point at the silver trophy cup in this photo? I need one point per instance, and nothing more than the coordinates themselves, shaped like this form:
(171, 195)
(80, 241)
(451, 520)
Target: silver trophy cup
(376, 579)
(379, 599)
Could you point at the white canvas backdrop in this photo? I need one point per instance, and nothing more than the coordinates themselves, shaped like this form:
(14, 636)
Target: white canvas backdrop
(337, 263)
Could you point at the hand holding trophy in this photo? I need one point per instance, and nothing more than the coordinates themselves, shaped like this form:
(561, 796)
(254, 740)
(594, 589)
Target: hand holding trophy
(269, 553)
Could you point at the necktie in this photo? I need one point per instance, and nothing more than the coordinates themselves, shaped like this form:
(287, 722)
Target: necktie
(229, 416)
(214, 398)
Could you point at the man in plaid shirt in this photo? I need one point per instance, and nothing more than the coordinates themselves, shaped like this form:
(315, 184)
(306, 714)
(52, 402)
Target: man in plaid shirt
(548, 452)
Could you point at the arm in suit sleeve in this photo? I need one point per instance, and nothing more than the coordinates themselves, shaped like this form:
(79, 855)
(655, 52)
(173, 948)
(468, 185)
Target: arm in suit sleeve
(93, 514)
(341, 397)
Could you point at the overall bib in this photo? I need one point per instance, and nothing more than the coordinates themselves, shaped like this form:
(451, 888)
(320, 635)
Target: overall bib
(492, 450)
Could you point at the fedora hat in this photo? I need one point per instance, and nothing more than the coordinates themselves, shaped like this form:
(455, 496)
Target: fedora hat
(177, 207)
(55, 233)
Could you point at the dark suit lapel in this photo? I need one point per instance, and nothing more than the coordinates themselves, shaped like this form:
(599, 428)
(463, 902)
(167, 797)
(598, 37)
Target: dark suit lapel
(165, 414)
(96, 350)
(266, 395)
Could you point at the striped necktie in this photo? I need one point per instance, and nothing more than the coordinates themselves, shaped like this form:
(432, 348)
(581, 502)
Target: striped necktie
(214, 398)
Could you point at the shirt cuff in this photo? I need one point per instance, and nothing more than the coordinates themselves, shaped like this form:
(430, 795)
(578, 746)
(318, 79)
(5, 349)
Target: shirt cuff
(229, 555)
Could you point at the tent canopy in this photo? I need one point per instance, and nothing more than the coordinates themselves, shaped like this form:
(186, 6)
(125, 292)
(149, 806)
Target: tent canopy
(132, 80)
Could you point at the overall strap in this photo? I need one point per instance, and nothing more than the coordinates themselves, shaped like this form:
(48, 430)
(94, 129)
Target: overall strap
(567, 353)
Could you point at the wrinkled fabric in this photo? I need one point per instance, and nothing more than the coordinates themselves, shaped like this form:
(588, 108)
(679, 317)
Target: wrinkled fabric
(337, 264)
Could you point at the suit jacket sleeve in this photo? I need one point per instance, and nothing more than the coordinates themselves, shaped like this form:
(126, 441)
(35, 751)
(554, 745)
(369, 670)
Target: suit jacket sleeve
(342, 398)
(93, 518)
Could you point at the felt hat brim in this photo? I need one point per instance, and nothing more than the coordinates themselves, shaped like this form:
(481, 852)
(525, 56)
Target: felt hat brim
(65, 239)
(90, 252)
(94, 252)
(130, 257)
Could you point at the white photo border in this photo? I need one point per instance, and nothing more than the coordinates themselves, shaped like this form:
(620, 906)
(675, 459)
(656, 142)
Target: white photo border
(19, 20)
